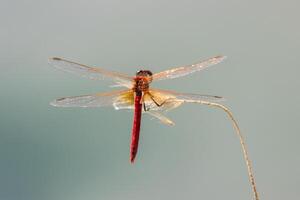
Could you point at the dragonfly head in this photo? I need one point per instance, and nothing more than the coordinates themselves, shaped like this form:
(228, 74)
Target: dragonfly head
(145, 73)
(143, 78)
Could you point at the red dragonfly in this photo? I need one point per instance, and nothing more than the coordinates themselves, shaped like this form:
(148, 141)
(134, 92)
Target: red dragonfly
(143, 99)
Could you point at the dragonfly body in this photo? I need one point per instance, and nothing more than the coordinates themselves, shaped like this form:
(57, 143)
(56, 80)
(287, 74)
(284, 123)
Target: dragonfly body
(138, 96)
(140, 87)
(137, 117)
(143, 99)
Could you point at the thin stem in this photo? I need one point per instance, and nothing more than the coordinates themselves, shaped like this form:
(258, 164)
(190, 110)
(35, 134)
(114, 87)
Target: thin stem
(241, 138)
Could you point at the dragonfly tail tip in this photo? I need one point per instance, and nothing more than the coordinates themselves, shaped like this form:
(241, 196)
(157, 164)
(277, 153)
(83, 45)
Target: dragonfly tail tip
(132, 158)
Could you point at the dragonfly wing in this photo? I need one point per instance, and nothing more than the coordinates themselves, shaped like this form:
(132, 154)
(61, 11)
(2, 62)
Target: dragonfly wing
(191, 96)
(163, 119)
(158, 100)
(91, 72)
(95, 100)
(124, 101)
(185, 70)
(169, 100)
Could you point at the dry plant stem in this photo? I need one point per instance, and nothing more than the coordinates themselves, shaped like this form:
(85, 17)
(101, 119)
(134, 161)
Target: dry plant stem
(241, 138)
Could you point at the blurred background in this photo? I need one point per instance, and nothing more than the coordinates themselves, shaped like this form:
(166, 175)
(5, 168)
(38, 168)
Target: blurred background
(74, 154)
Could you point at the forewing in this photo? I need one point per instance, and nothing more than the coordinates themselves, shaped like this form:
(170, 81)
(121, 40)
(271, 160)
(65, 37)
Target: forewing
(95, 100)
(91, 72)
(185, 70)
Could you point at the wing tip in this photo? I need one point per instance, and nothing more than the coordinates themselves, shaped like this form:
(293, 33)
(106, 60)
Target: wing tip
(220, 98)
(171, 123)
(53, 59)
(55, 102)
(220, 57)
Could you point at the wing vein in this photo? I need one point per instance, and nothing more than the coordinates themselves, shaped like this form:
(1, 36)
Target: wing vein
(188, 69)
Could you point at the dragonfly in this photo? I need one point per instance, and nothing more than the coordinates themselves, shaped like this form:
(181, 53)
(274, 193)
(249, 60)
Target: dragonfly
(143, 99)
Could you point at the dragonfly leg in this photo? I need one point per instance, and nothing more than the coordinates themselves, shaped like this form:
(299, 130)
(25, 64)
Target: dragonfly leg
(143, 102)
(145, 108)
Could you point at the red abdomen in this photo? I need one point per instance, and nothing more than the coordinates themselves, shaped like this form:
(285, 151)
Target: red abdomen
(136, 127)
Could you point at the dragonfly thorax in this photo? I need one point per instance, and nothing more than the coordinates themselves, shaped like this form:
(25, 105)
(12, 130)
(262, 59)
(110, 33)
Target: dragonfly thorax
(142, 80)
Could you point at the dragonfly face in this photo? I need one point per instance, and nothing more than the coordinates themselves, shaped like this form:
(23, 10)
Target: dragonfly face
(142, 80)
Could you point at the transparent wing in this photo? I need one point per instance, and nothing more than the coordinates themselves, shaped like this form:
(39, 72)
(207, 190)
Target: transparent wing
(165, 100)
(157, 100)
(185, 70)
(91, 72)
(95, 100)
(186, 96)
(163, 119)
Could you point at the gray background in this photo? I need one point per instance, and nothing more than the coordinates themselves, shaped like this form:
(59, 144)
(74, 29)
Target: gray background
(74, 154)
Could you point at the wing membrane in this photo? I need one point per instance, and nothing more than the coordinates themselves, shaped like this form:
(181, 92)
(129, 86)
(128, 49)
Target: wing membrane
(157, 100)
(184, 96)
(185, 70)
(163, 119)
(156, 97)
(171, 99)
(90, 72)
(95, 100)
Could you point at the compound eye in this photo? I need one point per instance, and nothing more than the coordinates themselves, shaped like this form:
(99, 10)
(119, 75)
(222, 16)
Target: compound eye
(140, 72)
(149, 73)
